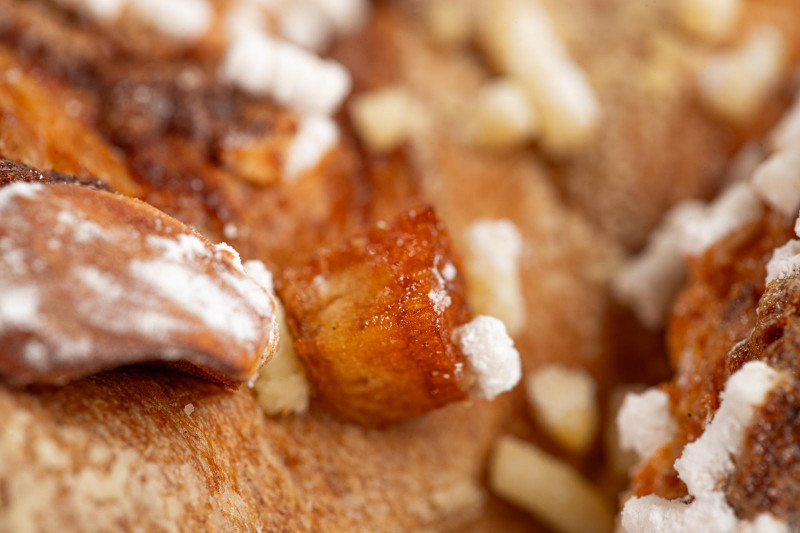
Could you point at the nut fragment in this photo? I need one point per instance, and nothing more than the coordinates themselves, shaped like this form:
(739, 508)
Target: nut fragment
(709, 19)
(282, 386)
(386, 118)
(735, 84)
(520, 39)
(504, 115)
(549, 489)
(90, 280)
(564, 401)
(449, 21)
(492, 251)
(373, 319)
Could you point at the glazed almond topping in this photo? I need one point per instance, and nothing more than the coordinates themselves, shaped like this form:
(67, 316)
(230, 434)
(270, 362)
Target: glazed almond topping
(91, 280)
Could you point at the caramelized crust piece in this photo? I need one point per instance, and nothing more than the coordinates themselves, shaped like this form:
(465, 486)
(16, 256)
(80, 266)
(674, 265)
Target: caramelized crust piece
(12, 171)
(373, 320)
(91, 280)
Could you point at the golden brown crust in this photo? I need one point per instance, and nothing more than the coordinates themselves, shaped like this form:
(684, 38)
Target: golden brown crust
(373, 319)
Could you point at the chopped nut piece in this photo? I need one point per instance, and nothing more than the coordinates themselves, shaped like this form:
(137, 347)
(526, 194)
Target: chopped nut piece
(735, 84)
(91, 281)
(492, 251)
(520, 39)
(282, 386)
(504, 115)
(386, 118)
(549, 489)
(374, 344)
(777, 182)
(564, 401)
(709, 19)
(449, 22)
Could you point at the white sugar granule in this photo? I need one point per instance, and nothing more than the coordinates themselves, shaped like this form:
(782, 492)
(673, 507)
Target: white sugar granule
(645, 422)
(491, 355)
(706, 463)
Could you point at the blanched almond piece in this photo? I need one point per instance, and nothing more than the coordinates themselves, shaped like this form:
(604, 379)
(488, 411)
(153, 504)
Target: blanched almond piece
(90, 280)
(551, 490)
(373, 320)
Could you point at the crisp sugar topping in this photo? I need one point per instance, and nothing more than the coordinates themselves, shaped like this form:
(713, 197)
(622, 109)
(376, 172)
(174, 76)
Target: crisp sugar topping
(492, 265)
(180, 19)
(737, 206)
(491, 355)
(648, 281)
(786, 135)
(102, 9)
(785, 261)
(306, 25)
(706, 463)
(777, 181)
(645, 422)
(764, 523)
(440, 299)
(317, 135)
(188, 409)
(293, 76)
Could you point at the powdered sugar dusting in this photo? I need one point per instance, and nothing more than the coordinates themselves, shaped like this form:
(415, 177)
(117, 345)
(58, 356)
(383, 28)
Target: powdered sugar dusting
(18, 189)
(706, 463)
(438, 294)
(491, 355)
(141, 285)
(19, 306)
